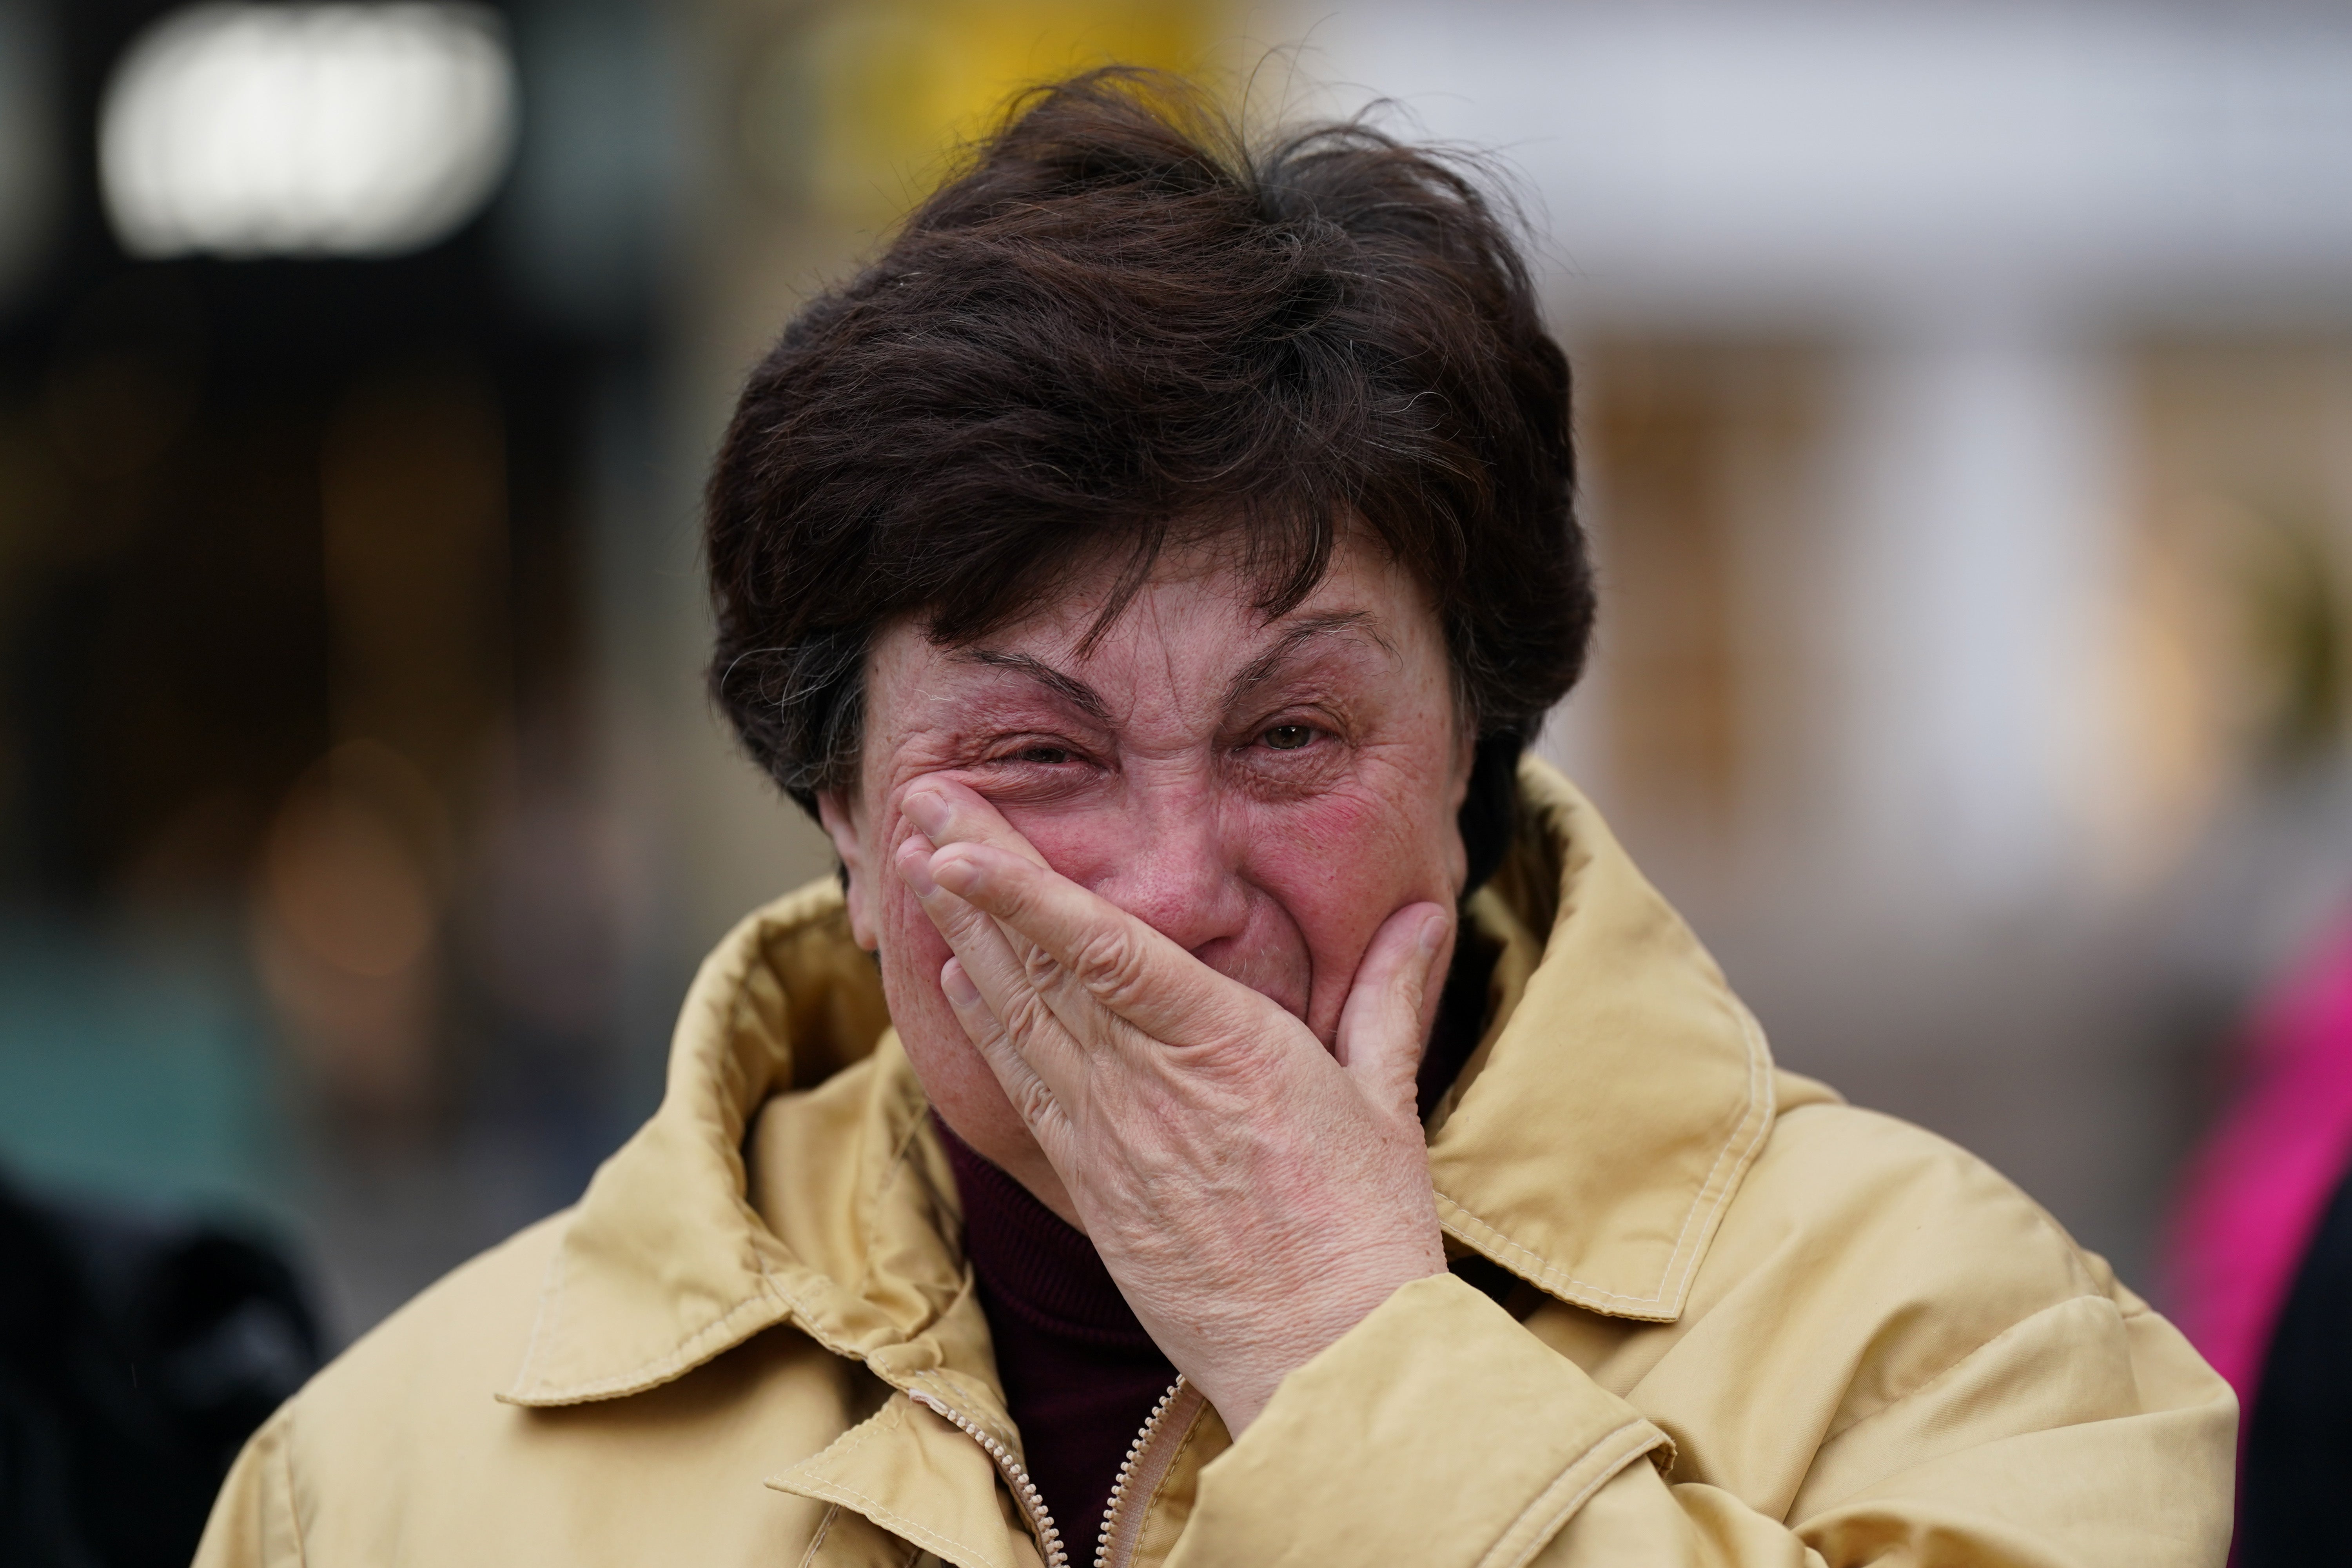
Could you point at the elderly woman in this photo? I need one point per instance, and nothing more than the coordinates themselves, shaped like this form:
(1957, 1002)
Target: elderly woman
(1274, 1122)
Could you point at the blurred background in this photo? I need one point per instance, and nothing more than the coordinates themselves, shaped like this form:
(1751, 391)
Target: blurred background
(1965, 399)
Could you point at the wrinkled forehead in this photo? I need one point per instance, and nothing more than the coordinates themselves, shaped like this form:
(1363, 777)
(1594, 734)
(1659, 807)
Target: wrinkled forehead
(1206, 594)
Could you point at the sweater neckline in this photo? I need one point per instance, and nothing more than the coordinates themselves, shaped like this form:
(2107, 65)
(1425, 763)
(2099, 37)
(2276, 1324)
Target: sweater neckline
(1032, 1261)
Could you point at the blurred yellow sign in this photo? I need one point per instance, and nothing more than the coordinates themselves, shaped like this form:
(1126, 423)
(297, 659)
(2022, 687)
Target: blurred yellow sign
(859, 111)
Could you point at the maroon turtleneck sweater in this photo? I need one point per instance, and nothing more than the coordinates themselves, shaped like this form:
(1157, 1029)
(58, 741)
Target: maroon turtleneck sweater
(1081, 1373)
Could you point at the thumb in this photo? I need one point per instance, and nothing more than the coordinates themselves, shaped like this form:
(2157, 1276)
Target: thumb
(1386, 1021)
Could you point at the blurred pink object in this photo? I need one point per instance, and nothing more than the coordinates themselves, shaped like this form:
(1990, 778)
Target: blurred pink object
(2256, 1191)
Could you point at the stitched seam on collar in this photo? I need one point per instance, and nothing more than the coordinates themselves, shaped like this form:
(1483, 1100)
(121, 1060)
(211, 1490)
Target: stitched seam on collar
(679, 1358)
(807, 1321)
(1759, 1095)
(1510, 1554)
(1549, 1274)
(889, 1417)
(921, 1534)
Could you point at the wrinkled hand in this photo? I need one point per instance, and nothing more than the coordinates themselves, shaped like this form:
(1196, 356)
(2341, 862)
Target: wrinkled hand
(1254, 1196)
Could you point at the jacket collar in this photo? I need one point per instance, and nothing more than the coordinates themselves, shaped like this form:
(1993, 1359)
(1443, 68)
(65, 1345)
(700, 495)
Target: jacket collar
(665, 1261)
(1590, 1145)
(1592, 1142)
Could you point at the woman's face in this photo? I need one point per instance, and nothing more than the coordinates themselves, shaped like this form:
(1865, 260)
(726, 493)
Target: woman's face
(1265, 793)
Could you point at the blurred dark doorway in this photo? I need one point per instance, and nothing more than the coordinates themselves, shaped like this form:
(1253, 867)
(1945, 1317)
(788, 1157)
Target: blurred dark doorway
(293, 647)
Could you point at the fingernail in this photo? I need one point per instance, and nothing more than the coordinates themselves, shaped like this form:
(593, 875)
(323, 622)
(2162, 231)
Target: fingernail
(915, 865)
(958, 985)
(928, 809)
(1433, 932)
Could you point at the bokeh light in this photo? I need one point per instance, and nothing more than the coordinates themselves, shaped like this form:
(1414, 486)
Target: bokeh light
(342, 130)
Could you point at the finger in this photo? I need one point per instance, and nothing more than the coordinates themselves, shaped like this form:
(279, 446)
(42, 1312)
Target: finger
(951, 812)
(1384, 1027)
(1115, 961)
(954, 813)
(1012, 970)
(972, 933)
(1034, 1099)
(946, 811)
(993, 966)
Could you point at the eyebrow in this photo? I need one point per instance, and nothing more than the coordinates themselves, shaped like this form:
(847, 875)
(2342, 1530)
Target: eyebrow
(1084, 697)
(1296, 636)
(1068, 688)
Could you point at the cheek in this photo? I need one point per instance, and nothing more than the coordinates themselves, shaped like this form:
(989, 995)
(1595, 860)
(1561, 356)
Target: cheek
(1081, 839)
(898, 920)
(911, 955)
(1328, 859)
(954, 1075)
(910, 949)
(1340, 865)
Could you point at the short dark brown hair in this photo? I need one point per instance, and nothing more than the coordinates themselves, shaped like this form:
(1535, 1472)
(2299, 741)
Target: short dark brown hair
(1121, 323)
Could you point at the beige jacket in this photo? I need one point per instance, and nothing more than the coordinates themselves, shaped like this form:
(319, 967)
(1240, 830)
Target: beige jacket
(1744, 1323)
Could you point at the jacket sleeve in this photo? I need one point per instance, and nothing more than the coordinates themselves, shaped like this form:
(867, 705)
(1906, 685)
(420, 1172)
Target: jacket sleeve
(1440, 1432)
(253, 1523)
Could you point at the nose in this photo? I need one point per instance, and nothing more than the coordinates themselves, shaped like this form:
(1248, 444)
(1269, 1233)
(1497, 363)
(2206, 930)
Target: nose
(1174, 862)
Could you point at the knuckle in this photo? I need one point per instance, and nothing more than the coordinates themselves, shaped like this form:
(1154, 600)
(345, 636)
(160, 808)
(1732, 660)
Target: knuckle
(1026, 1015)
(1033, 1101)
(1110, 965)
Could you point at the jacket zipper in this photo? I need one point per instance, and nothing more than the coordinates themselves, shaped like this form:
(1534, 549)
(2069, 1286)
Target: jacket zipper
(1110, 1550)
(1146, 1463)
(1024, 1490)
